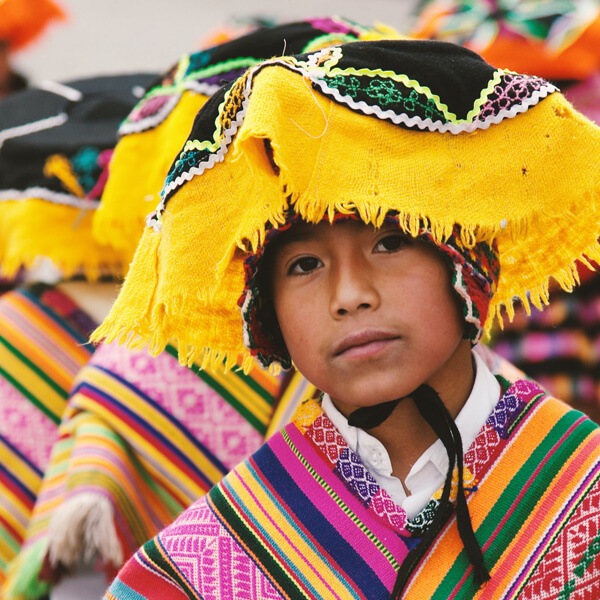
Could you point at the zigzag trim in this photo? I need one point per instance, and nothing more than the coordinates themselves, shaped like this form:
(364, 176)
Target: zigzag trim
(129, 127)
(227, 138)
(428, 124)
(387, 115)
(40, 193)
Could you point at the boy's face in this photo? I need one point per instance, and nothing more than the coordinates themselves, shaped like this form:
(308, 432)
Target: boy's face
(368, 315)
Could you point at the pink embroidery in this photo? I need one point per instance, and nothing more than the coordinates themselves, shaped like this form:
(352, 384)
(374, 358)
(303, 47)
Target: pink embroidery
(384, 507)
(180, 392)
(327, 438)
(25, 426)
(211, 560)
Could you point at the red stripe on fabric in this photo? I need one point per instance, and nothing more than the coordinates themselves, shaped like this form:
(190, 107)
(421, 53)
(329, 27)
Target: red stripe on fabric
(165, 451)
(147, 582)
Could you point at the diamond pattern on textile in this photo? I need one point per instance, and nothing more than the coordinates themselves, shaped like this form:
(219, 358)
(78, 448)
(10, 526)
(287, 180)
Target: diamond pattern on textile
(25, 426)
(385, 508)
(327, 438)
(211, 560)
(571, 566)
(478, 455)
(421, 523)
(507, 410)
(181, 393)
(355, 476)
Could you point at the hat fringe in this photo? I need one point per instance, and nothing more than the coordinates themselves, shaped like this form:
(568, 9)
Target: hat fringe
(539, 297)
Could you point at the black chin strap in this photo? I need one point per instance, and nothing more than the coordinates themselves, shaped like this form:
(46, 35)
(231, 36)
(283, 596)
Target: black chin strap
(434, 411)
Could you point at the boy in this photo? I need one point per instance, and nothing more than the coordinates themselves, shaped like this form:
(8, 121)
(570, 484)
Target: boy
(377, 203)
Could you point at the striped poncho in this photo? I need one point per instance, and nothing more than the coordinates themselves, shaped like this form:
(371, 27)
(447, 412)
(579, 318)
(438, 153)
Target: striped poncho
(303, 519)
(141, 438)
(43, 336)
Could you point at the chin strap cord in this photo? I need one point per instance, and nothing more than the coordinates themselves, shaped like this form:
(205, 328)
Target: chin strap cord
(434, 411)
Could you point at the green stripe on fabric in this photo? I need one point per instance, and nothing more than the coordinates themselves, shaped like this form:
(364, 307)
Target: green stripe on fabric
(254, 385)
(33, 367)
(53, 417)
(156, 555)
(537, 488)
(270, 566)
(227, 396)
(343, 506)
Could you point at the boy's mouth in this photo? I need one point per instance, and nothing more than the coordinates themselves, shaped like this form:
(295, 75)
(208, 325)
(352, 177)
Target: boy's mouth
(363, 343)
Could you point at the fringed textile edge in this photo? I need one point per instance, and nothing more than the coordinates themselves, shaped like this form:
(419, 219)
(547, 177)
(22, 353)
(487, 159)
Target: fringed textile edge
(567, 278)
(66, 263)
(190, 351)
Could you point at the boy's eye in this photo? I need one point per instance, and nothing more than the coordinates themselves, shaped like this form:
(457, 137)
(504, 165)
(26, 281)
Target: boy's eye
(304, 265)
(390, 243)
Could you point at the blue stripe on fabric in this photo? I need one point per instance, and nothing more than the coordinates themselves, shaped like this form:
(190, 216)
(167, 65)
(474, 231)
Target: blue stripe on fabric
(351, 563)
(122, 591)
(146, 425)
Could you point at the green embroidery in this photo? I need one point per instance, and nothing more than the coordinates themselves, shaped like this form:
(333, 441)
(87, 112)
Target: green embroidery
(387, 93)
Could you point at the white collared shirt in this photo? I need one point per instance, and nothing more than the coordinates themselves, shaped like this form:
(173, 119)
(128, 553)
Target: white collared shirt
(429, 472)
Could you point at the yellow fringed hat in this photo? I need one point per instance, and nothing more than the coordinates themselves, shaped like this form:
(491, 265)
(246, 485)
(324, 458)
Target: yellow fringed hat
(55, 145)
(159, 125)
(426, 131)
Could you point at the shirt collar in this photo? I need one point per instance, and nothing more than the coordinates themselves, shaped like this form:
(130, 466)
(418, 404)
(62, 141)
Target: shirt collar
(472, 417)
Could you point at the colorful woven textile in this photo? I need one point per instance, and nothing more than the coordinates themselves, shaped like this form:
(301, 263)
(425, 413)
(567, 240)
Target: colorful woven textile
(560, 346)
(141, 439)
(157, 128)
(43, 345)
(55, 145)
(303, 518)
(555, 39)
(404, 108)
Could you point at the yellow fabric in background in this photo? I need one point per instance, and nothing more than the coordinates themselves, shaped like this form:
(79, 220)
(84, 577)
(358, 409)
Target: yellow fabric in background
(137, 171)
(33, 228)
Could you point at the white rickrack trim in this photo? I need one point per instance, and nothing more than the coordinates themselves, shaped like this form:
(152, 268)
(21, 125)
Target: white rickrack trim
(459, 286)
(411, 122)
(60, 89)
(41, 193)
(429, 124)
(151, 122)
(228, 136)
(200, 87)
(34, 127)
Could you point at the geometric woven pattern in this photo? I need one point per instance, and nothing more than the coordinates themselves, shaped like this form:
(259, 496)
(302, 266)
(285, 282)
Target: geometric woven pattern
(211, 560)
(303, 519)
(572, 563)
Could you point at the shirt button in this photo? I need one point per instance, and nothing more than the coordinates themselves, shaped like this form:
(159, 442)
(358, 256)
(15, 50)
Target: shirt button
(376, 458)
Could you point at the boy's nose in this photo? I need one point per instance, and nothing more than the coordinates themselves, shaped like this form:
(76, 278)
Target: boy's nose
(352, 289)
